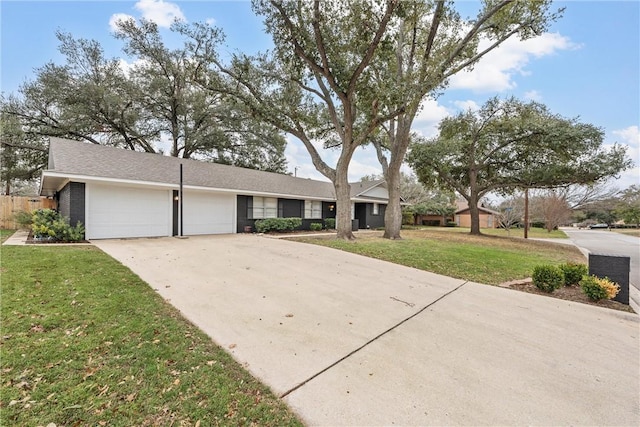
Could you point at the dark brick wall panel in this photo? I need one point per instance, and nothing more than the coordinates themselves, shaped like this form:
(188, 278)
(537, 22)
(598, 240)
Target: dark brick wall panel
(77, 203)
(615, 268)
(71, 202)
(375, 221)
(290, 208)
(287, 208)
(366, 218)
(64, 201)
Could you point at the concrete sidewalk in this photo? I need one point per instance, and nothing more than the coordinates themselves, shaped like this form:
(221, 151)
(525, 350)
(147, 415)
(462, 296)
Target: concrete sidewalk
(349, 340)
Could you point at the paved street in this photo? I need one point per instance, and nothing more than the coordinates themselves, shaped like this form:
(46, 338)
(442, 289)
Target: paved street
(604, 242)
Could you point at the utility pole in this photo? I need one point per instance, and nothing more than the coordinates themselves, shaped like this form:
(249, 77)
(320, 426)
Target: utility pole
(526, 213)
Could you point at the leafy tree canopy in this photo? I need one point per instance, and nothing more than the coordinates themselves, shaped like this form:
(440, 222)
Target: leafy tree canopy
(628, 206)
(509, 144)
(154, 103)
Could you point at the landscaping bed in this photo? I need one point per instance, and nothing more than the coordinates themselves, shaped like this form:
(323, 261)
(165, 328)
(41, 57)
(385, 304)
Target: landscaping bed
(32, 240)
(569, 293)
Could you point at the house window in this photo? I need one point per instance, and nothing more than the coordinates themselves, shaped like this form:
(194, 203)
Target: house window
(264, 207)
(312, 209)
(376, 209)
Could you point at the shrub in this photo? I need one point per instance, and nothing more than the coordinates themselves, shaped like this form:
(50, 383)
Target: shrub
(573, 273)
(407, 218)
(451, 224)
(315, 226)
(597, 288)
(547, 278)
(277, 224)
(49, 224)
(23, 218)
(330, 223)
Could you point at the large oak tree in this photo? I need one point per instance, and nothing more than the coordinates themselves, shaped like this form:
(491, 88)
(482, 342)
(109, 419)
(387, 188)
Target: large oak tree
(432, 43)
(509, 144)
(150, 102)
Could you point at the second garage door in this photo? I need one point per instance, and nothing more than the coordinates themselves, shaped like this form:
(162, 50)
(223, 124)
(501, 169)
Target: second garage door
(208, 213)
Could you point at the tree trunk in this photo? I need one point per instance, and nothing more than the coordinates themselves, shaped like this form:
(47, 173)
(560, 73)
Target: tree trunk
(343, 202)
(391, 170)
(475, 216)
(474, 212)
(526, 213)
(393, 213)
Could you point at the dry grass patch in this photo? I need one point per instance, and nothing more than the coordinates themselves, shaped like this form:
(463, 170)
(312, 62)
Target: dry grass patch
(628, 231)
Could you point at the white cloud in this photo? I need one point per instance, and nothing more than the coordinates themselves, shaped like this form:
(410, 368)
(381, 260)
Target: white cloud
(629, 136)
(127, 67)
(533, 95)
(466, 105)
(428, 118)
(161, 12)
(364, 161)
(495, 71)
(117, 17)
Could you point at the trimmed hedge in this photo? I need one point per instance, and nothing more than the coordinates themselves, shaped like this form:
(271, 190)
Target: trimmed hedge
(573, 273)
(277, 224)
(330, 223)
(315, 226)
(597, 288)
(548, 278)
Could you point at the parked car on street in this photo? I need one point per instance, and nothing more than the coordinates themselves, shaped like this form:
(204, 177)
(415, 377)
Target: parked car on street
(592, 226)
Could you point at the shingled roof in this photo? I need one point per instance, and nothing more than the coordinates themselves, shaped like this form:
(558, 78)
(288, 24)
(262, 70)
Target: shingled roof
(81, 160)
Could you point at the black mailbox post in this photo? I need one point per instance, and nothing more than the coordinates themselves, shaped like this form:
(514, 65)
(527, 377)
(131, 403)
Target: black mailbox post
(615, 268)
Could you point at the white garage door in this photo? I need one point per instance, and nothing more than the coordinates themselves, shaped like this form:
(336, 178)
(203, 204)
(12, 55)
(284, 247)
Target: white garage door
(115, 212)
(208, 213)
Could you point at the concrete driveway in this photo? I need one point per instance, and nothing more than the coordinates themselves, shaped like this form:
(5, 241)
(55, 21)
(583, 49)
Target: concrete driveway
(349, 340)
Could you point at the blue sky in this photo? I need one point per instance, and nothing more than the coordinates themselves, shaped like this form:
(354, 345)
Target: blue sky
(587, 65)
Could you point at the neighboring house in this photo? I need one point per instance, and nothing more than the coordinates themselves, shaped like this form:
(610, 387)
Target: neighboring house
(488, 217)
(432, 220)
(119, 193)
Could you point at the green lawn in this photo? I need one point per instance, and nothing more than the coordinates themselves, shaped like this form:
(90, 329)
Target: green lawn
(86, 342)
(4, 234)
(534, 233)
(484, 259)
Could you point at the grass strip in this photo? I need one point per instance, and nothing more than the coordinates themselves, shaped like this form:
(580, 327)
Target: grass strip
(84, 341)
(484, 259)
(534, 232)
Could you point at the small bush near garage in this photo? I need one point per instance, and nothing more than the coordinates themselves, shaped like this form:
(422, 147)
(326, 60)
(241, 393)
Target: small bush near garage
(49, 225)
(315, 226)
(278, 224)
(573, 273)
(330, 223)
(24, 219)
(547, 278)
(597, 288)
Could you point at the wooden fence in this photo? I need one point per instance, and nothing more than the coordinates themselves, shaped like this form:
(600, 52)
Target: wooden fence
(14, 204)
